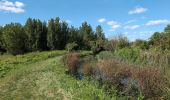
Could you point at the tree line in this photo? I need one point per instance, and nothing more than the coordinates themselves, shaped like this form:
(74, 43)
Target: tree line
(36, 35)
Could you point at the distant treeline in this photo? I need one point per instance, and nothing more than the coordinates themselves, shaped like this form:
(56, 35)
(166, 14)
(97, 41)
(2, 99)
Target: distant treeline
(36, 35)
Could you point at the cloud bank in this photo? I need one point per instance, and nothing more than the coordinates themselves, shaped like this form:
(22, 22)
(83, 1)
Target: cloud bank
(13, 7)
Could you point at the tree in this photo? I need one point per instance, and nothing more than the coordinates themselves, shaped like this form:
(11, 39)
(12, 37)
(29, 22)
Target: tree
(37, 34)
(29, 28)
(87, 34)
(15, 38)
(99, 33)
(73, 35)
(142, 44)
(1, 36)
(41, 36)
(53, 34)
(2, 49)
(167, 29)
(63, 36)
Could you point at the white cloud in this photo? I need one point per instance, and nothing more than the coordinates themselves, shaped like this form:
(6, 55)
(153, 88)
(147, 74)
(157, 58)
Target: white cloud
(19, 4)
(114, 25)
(14, 7)
(157, 22)
(111, 23)
(130, 21)
(102, 20)
(132, 27)
(137, 10)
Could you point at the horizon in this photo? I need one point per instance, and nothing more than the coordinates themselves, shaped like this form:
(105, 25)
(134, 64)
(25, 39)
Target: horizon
(136, 19)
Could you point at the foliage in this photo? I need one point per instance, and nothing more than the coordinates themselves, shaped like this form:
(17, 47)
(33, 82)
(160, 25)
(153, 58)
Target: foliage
(141, 44)
(71, 46)
(99, 33)
(15, 38)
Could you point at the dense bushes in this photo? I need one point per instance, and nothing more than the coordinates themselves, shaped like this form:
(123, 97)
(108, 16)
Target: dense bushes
(128, 80)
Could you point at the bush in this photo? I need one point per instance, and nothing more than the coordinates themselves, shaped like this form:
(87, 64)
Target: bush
(151, 81)
(71, 46)
(72, 62)
(131, 80)
(128, 54)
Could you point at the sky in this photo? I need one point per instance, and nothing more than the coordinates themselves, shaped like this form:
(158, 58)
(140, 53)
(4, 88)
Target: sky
(136, 19)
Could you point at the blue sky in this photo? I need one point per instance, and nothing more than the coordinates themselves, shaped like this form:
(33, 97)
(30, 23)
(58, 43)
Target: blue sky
(133, 18)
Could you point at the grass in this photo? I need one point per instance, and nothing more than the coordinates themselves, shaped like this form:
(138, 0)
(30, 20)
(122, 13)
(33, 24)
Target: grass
(38, 76)
(9, 62)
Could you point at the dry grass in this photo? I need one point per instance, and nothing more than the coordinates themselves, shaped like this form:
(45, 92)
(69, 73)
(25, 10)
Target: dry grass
(131, 79)
(71, 61)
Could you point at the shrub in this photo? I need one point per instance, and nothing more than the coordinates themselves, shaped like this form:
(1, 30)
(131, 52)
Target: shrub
(111, 45)
(71, 46)
(131, 80)
(88, 69)
(71, 60)
(151, 81)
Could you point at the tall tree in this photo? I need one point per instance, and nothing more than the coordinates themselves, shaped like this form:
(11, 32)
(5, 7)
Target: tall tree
(73, 35)
(29, 28)
(51, 35)
(1, 39)
(15, 38)
(63, 36)
(100, 33)
(87, 34)
(41, 36)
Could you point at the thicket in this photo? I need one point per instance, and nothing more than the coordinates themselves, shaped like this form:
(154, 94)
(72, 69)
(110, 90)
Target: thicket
(119, 78)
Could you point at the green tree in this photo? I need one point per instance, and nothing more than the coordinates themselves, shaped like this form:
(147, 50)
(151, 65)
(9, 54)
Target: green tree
(41, 36)
(87, 34)
(167, 29)
(53, 34)
(29, 28)
(37, 34)
(100, 33)
(15, 38)
(73, 35)
(1, 40)
(63, 35)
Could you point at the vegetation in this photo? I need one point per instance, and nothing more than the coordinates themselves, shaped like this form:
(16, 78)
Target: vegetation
(40, 75)
(119, 78)
(114, 69)
(36, 35)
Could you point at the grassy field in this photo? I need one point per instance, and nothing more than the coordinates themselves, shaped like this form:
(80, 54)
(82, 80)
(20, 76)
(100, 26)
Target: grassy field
(41, 76)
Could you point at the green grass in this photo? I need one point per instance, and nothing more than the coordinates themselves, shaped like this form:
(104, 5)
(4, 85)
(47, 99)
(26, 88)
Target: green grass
(41, 76)
(9, 62)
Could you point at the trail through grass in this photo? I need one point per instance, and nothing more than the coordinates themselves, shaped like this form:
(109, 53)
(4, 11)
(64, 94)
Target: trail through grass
(46, 80)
